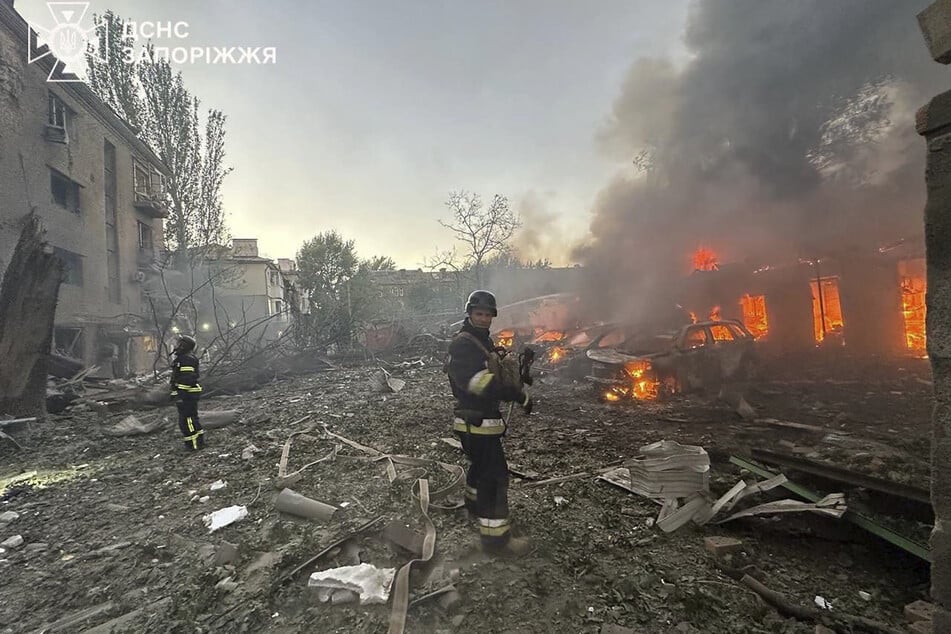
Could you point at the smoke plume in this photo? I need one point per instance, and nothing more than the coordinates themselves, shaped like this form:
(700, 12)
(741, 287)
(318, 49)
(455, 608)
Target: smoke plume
(789, 131)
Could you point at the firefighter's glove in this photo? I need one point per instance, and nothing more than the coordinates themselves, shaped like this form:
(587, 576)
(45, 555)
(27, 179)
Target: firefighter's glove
(527, 402)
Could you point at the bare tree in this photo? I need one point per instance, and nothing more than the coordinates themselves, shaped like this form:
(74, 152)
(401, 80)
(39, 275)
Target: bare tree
(484, 230)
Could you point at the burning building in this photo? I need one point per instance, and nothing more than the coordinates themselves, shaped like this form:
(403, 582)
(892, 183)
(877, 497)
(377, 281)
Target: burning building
(872, 303)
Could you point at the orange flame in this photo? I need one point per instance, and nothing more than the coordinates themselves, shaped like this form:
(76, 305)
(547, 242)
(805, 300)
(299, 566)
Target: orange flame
(642, 384)
(506, 338)
(715, 314)
(754, 314)
(914, 285)
(705, 259)
(826, 303)
(556, 354)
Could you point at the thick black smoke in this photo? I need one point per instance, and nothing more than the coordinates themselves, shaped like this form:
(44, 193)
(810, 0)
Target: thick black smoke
(789, 131)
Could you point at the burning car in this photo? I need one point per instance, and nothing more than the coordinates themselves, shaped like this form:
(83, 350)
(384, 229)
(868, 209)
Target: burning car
(645, 365)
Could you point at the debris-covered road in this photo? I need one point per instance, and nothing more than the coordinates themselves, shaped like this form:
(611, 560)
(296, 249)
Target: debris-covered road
(112, 527)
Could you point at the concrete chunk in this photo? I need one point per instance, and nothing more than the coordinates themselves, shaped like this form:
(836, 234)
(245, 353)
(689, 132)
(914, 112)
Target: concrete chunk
(372, 583)
(919, 611)
(8, 516)
(935, 24)
(12, 543)
(721, 546)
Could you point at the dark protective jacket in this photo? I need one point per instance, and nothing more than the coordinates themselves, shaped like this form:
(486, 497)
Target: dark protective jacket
(185, 376)
(476, 390)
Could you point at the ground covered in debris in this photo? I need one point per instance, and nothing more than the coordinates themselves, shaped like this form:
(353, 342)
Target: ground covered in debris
(113, 525)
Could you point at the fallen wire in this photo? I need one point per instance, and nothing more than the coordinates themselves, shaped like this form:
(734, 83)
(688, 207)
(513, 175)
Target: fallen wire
(293, 573)
(256, 495)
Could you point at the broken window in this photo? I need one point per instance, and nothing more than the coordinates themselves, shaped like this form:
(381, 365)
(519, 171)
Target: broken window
(145, 236)
(696, 338)
(65, 191)
(57, 115)
(68, 342)
(754, 315)
(914, 285)
(72, 265)
(826, 308)
(721, 333)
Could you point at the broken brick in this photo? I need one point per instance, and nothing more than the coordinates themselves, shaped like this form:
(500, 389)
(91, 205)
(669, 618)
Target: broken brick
(721, 546)
(919, 611)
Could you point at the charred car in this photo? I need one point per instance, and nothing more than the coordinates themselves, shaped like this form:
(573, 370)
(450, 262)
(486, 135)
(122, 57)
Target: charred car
(643, 364)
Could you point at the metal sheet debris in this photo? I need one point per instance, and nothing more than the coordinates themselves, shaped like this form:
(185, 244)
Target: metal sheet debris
(903, 542)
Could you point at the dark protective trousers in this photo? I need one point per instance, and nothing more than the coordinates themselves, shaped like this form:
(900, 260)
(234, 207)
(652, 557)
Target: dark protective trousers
(487, 486)
(192, 432)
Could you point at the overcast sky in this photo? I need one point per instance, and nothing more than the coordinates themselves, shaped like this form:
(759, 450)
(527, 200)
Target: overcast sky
(375, 110)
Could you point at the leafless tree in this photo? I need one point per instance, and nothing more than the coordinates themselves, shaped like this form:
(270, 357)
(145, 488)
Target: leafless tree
(484, 230)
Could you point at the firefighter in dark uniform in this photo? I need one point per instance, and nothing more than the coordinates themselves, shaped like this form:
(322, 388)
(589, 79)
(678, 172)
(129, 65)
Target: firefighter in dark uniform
(187, 391)
(479, 424)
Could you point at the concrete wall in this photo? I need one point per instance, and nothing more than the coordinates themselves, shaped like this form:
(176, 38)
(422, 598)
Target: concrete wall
(26, 160)
(934, 122)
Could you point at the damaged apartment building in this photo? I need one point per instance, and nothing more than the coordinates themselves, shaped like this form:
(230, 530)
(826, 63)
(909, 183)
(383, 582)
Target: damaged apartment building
(97, 189)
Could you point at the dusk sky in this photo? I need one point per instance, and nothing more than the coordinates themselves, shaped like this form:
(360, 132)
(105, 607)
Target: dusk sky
(375, 110)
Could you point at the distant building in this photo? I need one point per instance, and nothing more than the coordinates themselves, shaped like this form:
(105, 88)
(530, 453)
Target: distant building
(249, 289)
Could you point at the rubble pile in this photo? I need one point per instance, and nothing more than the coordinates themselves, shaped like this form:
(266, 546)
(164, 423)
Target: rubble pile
(316, 495)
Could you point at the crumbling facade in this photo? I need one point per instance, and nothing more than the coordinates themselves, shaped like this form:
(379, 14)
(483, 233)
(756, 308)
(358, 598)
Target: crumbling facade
(934, 123)
(96, 187)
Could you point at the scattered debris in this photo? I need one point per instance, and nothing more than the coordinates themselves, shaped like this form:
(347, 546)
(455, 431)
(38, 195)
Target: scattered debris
(217, 485)
(8, 516)
(903, 542)
(310, 562)
(216, 419)
(919, 611)
(294, 503)
(381, 381)
(131, 425)
(558, 480)
(404, 537)
(865, 596)
(224, 517)
(452, 442)
(69, 623)
(248, 452)
(122, 623)
(227, 553)
(721, 546)
(835, 473)
(822, 604)
(371, 583)
(12, 543)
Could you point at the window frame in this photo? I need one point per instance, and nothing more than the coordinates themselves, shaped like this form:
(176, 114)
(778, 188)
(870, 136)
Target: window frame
(74, 191)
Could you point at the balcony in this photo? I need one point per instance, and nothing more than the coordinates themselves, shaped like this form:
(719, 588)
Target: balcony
(150, 203)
